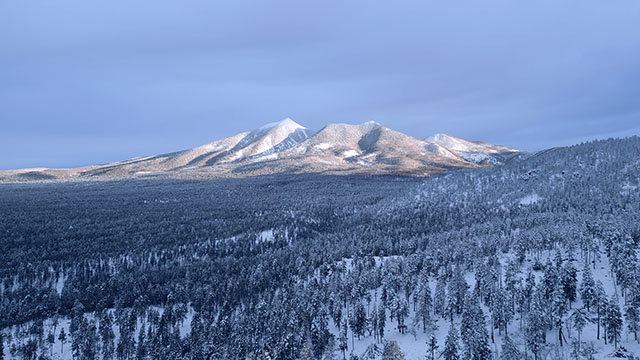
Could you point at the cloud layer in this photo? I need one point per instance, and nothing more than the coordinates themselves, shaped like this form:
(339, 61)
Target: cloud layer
(88, 82)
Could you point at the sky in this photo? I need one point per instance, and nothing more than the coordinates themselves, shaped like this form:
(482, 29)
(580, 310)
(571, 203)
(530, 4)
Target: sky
(89, 82)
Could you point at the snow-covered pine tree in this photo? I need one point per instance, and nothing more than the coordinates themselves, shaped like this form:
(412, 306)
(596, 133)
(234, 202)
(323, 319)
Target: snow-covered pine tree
(382, 320)
(402, 311)
(536, 324)
(473, 331)
(451, 345)
(613, 321)
(509, 350)
(106, 335)
(501, 310)
(457, 290)
(587, 287)
(373, 320)
(601, 303)
(432, 346)
(343, 339)
(63, 339)
(423, 301)
(141, 346)
(51, 339)
(559, 310)
(320, 334)
(392, 351)
(569, 281)
(580, 319)
(439, 297)
(358, 320)
(632, 316)
(306, 353)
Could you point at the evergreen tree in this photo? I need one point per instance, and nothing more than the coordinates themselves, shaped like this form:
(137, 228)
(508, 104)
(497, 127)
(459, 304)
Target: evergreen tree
(580, 319)
(392, 351)
(196, 336)
(613, 321)
(473, 331)
(550, 280)
(63, 338)
(382, 319)
(86, 340)
(306, 352)
(106, 334)
(451, 345)
(343, 340)
(402, 314)
(51, 339)
(423, 303)
(439, 298)
(536, 325)
(501, 310)
(432, 346)
(320, 334)
(601, 303)
(141, 350)
(632, 310)
(509, 350)
(457, 290)
(587, 288)
(569, 281)
(358, 320)
(559, 310)
(373, 320)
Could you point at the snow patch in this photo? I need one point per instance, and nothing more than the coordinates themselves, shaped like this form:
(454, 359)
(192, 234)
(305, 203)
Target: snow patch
(212, 148)
(349, 153)
(474, 157)
(323, 146)
(265, 236)
(530, 199)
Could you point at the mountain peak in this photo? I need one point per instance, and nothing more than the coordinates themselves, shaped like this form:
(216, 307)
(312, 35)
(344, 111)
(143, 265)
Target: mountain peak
(288, 147)
(369, 125)
(287, 123)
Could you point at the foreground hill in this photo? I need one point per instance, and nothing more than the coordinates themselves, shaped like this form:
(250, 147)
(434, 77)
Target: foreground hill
(289, 148)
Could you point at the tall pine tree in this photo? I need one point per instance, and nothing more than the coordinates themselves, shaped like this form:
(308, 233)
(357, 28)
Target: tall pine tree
(451, 345)
(473, 331)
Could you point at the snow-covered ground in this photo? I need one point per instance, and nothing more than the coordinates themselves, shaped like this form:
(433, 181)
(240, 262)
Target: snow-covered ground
(413, 342)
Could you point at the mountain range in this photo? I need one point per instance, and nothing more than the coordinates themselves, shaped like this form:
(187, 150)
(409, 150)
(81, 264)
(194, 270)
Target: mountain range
(288, 147)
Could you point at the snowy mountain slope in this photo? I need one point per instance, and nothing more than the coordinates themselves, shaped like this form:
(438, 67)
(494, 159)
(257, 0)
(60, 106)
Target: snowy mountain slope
(288, 147)
(371, 147)
(473, 151)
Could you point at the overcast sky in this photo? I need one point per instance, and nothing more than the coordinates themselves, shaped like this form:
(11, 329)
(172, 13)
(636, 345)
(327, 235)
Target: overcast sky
(86, 82)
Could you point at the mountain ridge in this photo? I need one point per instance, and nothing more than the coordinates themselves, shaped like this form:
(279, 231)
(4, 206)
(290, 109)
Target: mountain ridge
(288, 147)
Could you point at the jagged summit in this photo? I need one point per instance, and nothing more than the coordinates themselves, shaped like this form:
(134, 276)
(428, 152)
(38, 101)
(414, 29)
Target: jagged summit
(288, 147)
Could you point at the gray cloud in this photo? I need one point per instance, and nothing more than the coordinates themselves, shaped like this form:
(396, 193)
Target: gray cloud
(116, 79)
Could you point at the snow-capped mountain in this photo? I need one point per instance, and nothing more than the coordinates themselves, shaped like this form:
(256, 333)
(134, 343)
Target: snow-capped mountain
(288, 147)
(473, 151)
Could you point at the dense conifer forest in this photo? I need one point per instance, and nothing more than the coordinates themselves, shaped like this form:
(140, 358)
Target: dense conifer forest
(533, 259)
